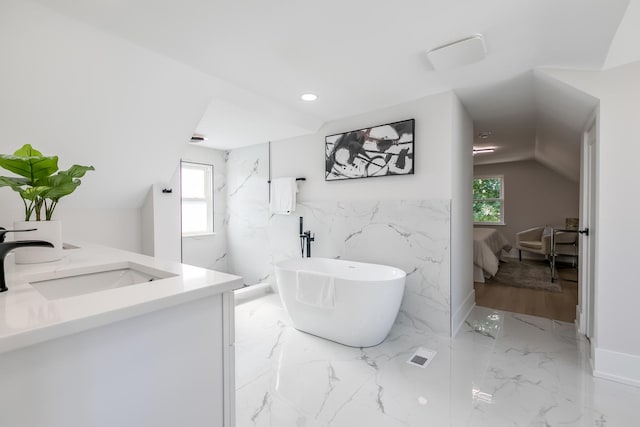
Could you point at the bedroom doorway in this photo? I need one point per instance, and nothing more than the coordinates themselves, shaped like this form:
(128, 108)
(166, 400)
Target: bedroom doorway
(531, 131)
(514, 215)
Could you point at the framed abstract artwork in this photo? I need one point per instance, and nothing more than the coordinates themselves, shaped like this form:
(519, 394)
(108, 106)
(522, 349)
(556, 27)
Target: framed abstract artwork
(376, 151)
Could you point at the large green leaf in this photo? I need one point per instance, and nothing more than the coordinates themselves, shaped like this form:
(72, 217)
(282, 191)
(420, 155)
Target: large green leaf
(32, 193)
(15, 183)
(77, 171)
(29, 163)
(27, 151)
(58, 186)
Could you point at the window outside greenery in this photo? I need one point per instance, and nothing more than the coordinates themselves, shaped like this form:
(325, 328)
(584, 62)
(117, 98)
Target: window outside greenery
(488, 200)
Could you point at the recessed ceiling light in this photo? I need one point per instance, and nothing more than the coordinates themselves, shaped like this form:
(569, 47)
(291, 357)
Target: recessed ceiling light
(484, 135)
(309, 97)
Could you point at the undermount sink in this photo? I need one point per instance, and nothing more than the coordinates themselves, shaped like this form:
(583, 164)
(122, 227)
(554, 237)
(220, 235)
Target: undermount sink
(69, 283)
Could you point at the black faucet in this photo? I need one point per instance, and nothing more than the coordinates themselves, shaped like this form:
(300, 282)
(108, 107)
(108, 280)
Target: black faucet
(306, 237)
(6, 247)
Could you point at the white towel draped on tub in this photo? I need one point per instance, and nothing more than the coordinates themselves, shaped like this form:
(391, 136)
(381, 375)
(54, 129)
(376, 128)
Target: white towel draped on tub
(283, 195)
(315, 289)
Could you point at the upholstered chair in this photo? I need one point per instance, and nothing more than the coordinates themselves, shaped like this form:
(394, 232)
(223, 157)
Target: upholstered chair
(536, 240)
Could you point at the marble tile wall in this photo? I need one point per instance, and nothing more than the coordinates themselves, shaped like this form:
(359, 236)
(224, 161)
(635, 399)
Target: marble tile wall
(247, 216)
(409, 234)
(413, 235)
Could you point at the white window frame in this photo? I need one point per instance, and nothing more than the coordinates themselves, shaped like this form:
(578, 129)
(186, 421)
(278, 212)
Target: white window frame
(208, 196)
(501, 199)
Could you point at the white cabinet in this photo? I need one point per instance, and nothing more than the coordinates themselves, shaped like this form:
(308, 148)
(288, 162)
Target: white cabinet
(156, 354)
(172, 367)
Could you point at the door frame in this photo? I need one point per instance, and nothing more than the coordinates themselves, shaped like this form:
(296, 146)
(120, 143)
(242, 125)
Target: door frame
(586, 312)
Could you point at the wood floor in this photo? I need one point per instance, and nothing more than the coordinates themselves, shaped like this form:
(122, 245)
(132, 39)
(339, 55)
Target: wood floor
(552, 305)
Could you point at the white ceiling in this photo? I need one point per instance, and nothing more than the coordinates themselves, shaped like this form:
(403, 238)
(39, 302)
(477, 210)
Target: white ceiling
(625, 48)
(361, 55)
(531, 116)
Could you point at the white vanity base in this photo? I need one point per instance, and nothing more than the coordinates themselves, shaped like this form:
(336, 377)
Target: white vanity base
(171, 367)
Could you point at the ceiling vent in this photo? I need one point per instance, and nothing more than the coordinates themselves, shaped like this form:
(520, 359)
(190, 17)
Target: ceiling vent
(458, 53)
(197, 138)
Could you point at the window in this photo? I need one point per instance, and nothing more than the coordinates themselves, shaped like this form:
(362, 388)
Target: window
(196, 184)
(488, 200)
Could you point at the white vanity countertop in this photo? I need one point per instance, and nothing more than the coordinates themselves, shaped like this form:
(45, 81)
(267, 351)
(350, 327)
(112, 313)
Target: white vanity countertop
(27, 317)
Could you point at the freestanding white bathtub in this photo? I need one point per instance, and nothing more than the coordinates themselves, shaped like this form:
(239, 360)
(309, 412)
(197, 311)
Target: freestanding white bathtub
(352, 303)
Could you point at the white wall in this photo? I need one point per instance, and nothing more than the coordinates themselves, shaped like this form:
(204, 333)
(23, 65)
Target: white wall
(534, 196)
(617, 345)
(120, 228)
(160, 213)
(462, 292)
(304, 156)
(148, 227)
(92, 98)
(558, 148)
(166, 220)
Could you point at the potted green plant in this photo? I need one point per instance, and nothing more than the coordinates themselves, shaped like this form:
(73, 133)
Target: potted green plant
(40, 185)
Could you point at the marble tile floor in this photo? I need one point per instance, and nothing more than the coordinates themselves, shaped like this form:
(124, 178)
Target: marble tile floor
(502, 369)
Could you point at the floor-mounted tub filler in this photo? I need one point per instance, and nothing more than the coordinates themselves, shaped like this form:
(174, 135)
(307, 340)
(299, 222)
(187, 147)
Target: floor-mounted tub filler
(352, 303)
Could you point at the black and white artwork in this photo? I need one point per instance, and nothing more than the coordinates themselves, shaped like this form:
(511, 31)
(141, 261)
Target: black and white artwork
(377, 151)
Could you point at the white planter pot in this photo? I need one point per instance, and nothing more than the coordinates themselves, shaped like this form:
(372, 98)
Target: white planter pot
(49, 231)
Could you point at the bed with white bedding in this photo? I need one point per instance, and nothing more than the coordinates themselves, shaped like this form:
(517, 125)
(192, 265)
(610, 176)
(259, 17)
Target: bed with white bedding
(487, 245)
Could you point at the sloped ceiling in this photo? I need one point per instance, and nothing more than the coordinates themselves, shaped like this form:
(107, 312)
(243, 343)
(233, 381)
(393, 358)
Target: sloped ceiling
(533, 116)
(357, 55)
(122, 84)
(78, 93)
(506, 109)
(550, 129)
(562, 113)
(94, 98)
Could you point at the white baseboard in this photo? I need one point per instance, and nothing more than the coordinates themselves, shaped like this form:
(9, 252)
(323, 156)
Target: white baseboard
(457, 320)
(620, 367)
(580, 321)
(478, 274)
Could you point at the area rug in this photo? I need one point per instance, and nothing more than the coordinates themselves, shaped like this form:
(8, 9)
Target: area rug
(525, 274)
